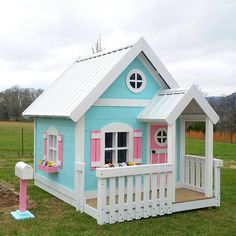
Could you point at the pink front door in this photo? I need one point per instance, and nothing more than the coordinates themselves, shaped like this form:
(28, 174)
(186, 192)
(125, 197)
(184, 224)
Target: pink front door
(158, 144)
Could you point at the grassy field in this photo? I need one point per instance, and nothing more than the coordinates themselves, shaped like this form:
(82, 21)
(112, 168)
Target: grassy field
(54, 217)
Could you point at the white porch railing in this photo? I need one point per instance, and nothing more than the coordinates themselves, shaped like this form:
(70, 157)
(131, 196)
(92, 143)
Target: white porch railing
(134, 192)
(217, 164)
(194, 175)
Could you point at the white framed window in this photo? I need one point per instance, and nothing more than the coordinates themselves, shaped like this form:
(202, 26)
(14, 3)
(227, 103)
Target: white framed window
(53, 145)
(117, 145)
(136, 81)
(160, 137)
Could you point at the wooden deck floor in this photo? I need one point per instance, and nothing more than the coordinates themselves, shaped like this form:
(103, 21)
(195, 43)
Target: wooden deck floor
(181, 195)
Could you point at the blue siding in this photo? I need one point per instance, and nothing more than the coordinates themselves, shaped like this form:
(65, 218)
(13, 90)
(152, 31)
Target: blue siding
(118, 89)
(67, 128)
(95, 119)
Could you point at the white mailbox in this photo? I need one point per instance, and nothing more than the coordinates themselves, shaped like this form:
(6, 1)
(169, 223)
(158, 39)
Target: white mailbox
(23, 170)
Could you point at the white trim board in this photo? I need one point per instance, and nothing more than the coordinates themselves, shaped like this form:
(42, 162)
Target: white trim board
(122, 102)
(79, 162)
(34, 164)
(90, 211)
(193, 117)
(193, 205)
(59, 191)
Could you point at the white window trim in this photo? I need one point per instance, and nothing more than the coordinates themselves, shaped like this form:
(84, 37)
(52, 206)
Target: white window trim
(52, 131)
(115, 128)
(156, 139)
(141, 88)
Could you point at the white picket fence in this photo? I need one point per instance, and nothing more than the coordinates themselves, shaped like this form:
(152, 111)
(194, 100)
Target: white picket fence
(134, 192)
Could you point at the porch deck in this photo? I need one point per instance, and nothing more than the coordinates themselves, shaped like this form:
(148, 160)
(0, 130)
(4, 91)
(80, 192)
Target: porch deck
(181, 195)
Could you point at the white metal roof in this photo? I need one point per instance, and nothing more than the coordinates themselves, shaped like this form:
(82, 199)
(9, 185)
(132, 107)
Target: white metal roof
(86, 79)
(169, 104)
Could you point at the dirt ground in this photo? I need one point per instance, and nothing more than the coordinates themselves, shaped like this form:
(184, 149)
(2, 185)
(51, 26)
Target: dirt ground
(8, 197)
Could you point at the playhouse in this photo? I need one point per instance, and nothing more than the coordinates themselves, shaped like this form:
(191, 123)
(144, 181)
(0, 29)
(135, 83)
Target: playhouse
(109, 138)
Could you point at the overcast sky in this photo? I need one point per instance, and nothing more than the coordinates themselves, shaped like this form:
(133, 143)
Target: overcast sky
(196, 40)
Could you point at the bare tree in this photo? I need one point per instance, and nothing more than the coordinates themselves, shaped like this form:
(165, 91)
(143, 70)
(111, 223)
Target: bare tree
(231, 117)
(98, 46)
(15, 100)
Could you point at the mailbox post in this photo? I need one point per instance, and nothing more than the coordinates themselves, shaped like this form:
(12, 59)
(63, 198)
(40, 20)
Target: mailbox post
(24, 172)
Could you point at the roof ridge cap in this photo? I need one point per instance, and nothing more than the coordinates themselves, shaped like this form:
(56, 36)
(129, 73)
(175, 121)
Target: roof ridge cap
(91, 56)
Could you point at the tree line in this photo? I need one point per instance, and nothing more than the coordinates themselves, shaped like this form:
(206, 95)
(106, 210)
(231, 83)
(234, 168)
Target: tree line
(15, 100)
(225, 107)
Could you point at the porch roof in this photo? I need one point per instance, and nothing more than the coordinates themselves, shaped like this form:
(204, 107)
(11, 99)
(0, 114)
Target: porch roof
(169, 104)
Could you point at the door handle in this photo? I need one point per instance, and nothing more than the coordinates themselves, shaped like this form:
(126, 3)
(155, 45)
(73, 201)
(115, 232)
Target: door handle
(153, 151)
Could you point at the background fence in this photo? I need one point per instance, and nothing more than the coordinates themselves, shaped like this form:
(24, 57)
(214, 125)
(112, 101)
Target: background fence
(225, 137)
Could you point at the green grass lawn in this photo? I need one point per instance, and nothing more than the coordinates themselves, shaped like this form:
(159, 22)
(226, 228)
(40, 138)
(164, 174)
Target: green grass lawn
(54, 217)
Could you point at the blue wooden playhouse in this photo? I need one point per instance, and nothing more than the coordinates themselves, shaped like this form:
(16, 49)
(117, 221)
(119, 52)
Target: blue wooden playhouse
(120, 107)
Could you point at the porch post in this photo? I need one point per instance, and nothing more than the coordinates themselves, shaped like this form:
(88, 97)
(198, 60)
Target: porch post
(209, 157)
(171, 150)
(182, 150)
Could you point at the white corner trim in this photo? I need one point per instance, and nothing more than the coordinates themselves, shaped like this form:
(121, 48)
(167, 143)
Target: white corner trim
(148, 149)
(182, 150)
(35, 124)
(79, 164)
(122, 102)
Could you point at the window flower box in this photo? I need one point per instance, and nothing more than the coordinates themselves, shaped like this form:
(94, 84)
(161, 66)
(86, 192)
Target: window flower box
(47, 167)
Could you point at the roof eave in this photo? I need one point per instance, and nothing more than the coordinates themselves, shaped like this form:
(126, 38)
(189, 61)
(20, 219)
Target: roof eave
(46, 115)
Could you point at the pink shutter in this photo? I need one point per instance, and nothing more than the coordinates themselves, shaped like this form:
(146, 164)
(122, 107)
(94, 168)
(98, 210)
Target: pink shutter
(95, 149)
(59, 150)
(45, 146)
(137, 146)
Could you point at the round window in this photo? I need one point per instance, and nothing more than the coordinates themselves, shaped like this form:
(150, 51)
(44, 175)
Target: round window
(135, 81)
(160, 137)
